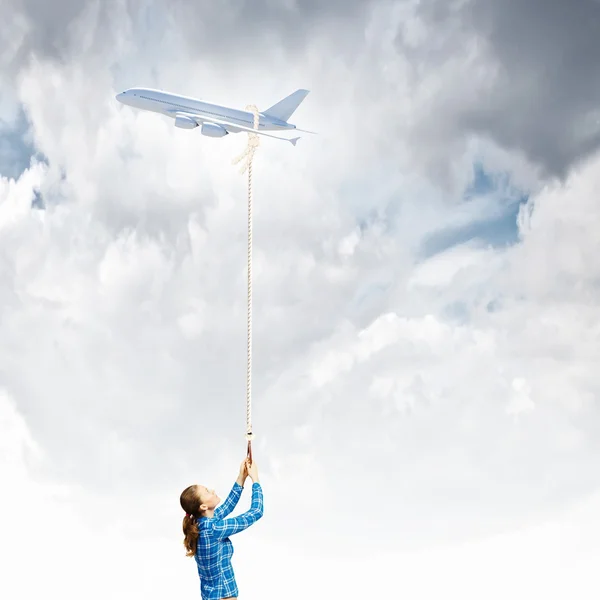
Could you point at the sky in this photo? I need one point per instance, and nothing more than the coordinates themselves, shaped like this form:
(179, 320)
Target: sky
(426, 298)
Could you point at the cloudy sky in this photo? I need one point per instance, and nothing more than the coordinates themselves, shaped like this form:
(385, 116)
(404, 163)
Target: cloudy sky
(426, 303)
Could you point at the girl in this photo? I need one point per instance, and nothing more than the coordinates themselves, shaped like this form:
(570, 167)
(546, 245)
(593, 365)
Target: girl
(207, 531)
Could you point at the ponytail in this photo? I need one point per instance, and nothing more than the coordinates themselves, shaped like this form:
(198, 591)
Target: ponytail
(190, 531)
(190, 502)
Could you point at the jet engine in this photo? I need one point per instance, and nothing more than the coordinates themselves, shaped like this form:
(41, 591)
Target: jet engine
(213, 130)
(185, 122)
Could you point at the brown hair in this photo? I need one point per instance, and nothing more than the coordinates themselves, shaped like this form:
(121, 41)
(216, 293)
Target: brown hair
(190, 502)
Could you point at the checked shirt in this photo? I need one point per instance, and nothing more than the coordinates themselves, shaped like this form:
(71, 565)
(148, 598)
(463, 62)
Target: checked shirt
(214, 549)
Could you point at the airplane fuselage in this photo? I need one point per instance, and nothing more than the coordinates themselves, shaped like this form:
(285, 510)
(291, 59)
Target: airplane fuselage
(173, 105)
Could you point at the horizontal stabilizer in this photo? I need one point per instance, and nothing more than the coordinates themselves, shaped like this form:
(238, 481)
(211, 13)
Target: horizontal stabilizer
(284, 109)
(305, 131)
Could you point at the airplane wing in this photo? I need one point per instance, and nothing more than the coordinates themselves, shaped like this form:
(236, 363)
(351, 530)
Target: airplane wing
(226, 124)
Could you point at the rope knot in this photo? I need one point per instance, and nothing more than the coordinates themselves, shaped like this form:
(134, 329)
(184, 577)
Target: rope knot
(253, 142)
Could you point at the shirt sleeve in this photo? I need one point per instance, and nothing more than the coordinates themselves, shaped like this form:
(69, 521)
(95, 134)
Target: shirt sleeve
(223, 528)
(230, 502)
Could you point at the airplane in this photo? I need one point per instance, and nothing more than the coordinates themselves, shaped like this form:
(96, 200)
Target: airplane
(215, 120)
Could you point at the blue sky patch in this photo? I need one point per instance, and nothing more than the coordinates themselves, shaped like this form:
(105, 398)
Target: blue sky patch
(16, 149)
(495, 224)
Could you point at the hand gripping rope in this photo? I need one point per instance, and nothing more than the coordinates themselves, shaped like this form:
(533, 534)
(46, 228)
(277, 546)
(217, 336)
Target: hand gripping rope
(253, 141)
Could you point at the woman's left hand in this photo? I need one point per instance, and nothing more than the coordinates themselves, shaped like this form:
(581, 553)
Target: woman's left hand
(243, 472)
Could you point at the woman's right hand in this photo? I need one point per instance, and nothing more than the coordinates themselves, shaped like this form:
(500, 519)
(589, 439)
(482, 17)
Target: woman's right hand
(253, 471)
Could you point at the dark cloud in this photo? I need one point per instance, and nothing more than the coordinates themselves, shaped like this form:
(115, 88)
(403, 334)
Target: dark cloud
(224, 26)
(49, 22)
(269, 25)
(48, 27)
(546, 97)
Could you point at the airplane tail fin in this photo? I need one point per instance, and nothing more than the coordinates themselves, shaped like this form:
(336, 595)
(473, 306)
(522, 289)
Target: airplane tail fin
(285, 108)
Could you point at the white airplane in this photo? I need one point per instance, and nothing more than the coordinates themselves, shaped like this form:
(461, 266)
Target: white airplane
(214, 120)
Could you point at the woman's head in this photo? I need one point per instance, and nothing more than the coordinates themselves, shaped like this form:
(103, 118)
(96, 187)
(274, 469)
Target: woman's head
(197, 501)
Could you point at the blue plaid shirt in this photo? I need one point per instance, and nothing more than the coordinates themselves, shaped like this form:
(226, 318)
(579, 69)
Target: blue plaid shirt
(214, 549)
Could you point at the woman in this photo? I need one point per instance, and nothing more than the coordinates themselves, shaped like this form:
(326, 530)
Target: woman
(207, 531)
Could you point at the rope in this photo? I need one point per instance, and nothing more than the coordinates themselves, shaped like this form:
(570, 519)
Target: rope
(253, 141)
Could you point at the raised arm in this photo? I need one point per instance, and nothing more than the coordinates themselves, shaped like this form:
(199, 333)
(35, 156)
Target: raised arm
(230, 502)
(224, 528)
